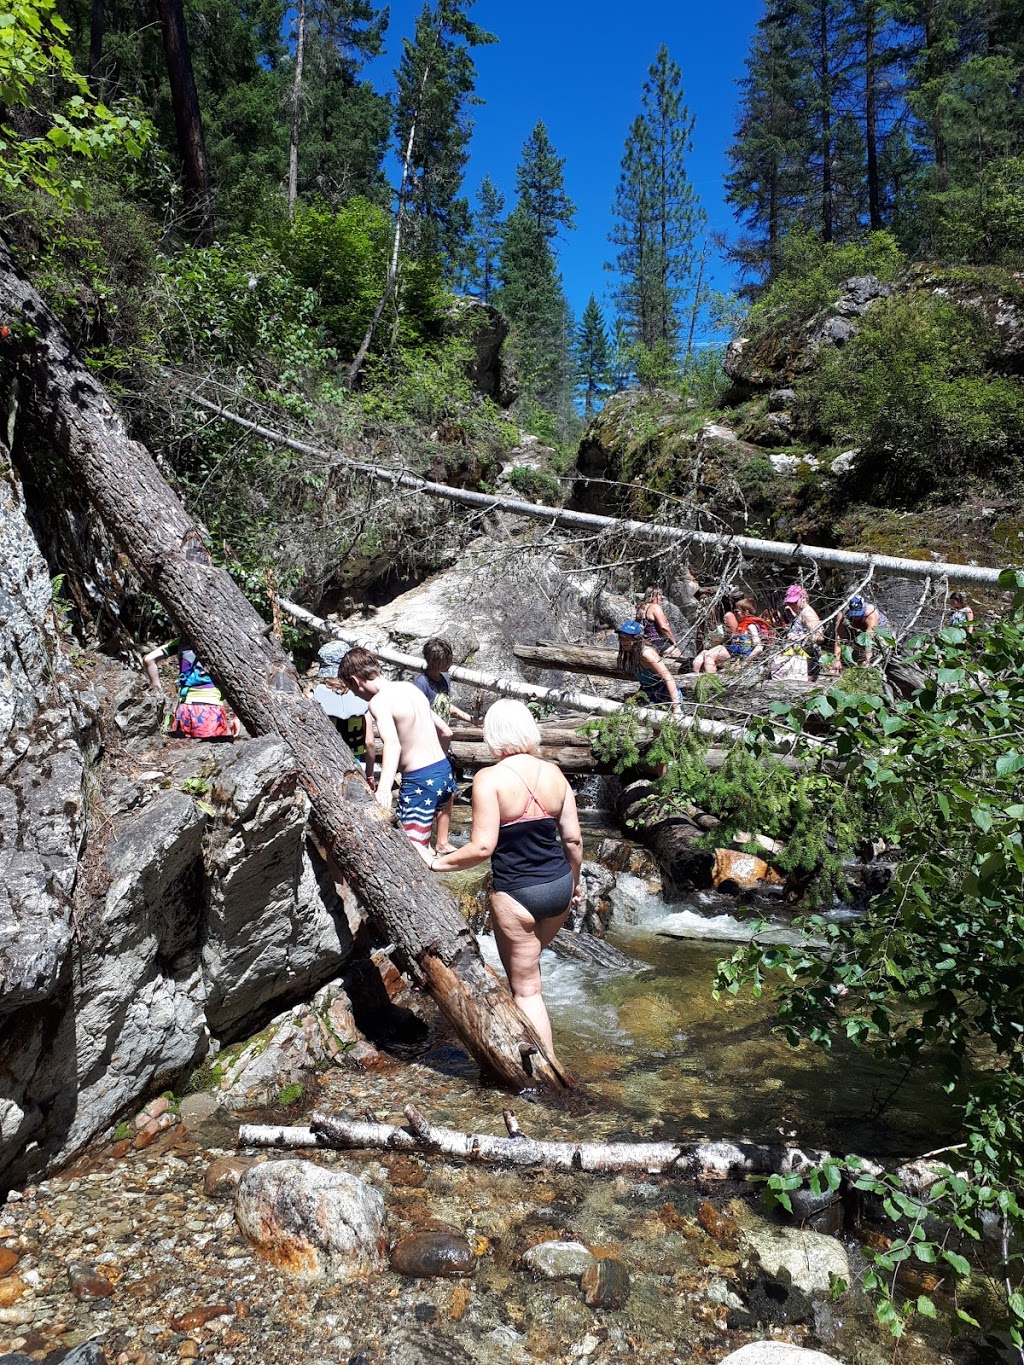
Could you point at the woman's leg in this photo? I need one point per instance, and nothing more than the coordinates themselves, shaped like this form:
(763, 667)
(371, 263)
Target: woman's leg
(520, 939)
(714, 657)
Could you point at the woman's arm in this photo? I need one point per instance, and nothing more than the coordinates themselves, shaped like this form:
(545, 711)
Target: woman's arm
(812, 621)
(484, 834)
(755, 635)
(571, 836)
(653, 661)
(970, 620)
(150, 661)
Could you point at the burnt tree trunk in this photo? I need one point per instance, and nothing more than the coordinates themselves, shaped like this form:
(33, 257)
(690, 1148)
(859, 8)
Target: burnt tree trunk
(370, 851)
(188, 122)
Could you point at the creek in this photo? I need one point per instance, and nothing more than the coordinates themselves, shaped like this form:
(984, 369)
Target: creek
(658, 1058)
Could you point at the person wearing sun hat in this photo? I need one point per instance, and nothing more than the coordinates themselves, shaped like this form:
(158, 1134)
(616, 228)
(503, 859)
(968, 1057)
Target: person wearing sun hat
(643, 662)
(861, 618)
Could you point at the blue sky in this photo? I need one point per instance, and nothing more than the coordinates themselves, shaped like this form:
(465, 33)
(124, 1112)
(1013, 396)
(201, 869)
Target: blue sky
(579, 65)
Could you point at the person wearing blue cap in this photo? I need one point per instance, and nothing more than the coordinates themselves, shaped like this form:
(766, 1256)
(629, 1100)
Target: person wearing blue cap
(643, 662)
(860, 618)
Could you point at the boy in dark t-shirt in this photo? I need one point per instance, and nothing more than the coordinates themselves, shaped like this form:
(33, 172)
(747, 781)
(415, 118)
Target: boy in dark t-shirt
(436, 686)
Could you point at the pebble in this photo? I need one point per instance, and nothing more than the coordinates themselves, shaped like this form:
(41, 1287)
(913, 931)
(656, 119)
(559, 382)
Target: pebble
(439, 1253)
(223, 1174)
(199, 1317)
(8, 1259)
(605, 1284)
(87, 1283)
(188, 1350)
(11, 1289)
(558, 1260)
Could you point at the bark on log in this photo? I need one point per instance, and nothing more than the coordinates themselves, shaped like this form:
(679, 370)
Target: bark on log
(571, 758)
(786, 552)
(369, 850)
(703, 1160)
(672, 839)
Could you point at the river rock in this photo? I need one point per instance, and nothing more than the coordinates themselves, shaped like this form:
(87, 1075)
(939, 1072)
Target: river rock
(559, 1260)
(86, 1353)
(809, 1258)
(9, 1258)
(223, 1175)
(11, 1289)
(438, 1253)
(777, 1353)
(737, 871)
(87, 1283)
(311, 1221)
(418, 1347)
(605, 1283)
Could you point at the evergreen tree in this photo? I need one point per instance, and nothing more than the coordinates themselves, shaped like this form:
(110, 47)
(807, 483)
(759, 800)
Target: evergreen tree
(436, 78)
(530, 295)
(344, 122)
(593, 356)
(486, 238)
(659, 222)
(540, 184)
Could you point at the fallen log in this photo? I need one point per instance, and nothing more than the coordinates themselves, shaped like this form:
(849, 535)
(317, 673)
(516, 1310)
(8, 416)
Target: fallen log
(595, 660)
(571, 758)
(71, 411)
(701, 1160)
(720, 543)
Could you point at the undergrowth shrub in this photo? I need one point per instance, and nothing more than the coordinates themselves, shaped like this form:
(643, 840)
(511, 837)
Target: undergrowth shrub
(913, 391)
(812, 272)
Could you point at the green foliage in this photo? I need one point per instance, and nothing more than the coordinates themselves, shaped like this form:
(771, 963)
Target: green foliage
(936, 967)
(540, 184)
(810, 273)
(536, 485)
(913, 391)
(290, 1094)
(984, 220)
(60, 120)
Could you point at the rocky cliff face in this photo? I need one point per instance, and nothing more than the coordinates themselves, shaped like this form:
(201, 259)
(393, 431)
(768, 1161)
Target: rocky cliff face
(156, 896)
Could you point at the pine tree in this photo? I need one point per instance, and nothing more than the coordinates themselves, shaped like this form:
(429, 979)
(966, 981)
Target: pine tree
(540, 184)
(530, 295)
(593, 356)
(658, 218)
(486, 237)
(436, 79)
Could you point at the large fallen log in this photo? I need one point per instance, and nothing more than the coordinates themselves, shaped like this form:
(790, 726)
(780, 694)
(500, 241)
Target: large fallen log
(752, 547)
(70, 410)
(597, 661)
(705, 1160)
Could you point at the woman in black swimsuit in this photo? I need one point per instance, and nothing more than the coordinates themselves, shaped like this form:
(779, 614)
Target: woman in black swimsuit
(525, 821)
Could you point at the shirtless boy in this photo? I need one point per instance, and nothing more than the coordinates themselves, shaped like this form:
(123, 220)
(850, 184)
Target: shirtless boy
(410, 734)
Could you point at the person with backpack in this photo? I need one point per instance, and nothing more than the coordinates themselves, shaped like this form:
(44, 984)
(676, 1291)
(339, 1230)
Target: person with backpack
(641, 661)
(800, 656)
(749, 633)
(858, 627)
(200, 711)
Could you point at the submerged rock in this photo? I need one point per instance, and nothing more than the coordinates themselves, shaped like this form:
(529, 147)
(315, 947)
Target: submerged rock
(605, 1283)
(809, 1258)
(311, 1221)
(559, 1260)
(439, 1253)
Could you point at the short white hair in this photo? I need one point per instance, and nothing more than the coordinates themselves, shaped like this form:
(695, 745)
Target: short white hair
(510, 729)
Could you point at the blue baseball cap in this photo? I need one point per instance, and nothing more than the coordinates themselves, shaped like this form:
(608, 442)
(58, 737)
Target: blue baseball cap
(631, 628)
(856, 606)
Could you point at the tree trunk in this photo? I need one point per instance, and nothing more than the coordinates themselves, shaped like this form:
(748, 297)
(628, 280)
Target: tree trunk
(785, 552)
(825, 59)
(368, 849)
(96, 47)
(188, 122)
(293, 145)
(871, 115)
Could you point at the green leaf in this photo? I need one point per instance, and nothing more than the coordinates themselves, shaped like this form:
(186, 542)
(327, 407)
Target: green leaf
(1008, 764)
(957, 1262)
(925, 1306)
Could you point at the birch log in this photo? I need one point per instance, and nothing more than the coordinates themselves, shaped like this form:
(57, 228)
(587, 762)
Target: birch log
(368, 850)
(515, 687)
(707, 1160)
(781, 551)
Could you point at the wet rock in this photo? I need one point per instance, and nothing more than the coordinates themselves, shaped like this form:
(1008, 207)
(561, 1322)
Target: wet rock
(770, 1303)
(809, 1258)
(311, 1221)
(9, 1258)
(11, 1289)
(223, 1174)
(605, 1283)
(559, 1260)
(199, 1317)
(423, 1347)
(719, 1226)
(86, 1353)
(819, 1212)
(777, 1353)
(87, 1283)
(439, 1253)
(736, 871)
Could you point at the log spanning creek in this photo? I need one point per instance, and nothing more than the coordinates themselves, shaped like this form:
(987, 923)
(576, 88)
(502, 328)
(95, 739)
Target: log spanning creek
(142, 1248)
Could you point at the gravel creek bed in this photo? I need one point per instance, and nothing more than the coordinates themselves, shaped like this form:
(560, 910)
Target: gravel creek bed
(139, 1220)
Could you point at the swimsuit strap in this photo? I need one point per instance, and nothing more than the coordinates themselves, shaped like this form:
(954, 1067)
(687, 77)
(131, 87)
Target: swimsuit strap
(534, 799)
